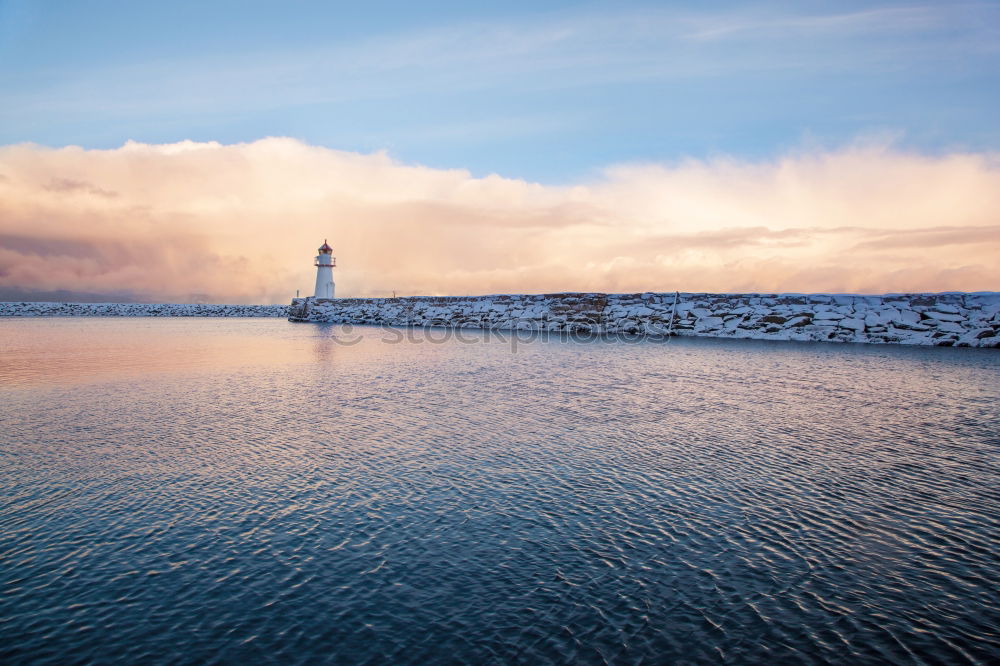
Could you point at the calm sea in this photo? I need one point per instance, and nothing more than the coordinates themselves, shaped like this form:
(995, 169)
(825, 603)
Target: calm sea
(245, 490)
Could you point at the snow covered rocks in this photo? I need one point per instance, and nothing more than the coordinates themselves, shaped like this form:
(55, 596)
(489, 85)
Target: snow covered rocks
(947, 319)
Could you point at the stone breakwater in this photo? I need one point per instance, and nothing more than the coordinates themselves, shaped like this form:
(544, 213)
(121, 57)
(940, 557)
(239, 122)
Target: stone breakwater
(946, 319)
(23, 309)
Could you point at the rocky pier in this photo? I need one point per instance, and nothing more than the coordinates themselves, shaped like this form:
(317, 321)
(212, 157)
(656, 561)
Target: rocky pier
(945, 319)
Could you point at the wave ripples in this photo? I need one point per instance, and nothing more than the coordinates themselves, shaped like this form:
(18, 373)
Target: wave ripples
(276, 496)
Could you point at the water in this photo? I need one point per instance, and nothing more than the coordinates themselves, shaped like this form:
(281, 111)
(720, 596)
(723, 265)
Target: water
(196, 491)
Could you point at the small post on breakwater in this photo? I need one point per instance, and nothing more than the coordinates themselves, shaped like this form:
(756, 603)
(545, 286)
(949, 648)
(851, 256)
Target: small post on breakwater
(673, 313)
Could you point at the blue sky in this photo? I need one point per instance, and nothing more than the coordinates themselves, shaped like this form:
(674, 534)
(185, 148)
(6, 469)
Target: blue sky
(549, 92)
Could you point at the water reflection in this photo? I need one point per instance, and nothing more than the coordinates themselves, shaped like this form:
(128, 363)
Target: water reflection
(199, 490)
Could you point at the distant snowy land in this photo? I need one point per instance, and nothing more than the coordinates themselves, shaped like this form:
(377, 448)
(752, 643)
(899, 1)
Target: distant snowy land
(27, 309)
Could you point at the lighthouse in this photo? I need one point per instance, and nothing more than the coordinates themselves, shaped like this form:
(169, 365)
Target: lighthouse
(325, 262)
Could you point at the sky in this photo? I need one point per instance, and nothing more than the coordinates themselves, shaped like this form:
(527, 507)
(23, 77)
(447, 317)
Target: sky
(202, 151)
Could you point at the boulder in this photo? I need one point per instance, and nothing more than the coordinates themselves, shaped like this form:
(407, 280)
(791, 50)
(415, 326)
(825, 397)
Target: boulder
(853, 324)
(944, 316)
(950, 327)
(906, 326)
(709, 323)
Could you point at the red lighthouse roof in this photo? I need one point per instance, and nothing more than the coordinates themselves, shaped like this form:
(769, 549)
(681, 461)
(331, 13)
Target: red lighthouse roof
(325, 249)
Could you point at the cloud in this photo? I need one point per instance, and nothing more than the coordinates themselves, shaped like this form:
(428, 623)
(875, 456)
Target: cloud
(931, 238)
(70, 185)
(240, 223)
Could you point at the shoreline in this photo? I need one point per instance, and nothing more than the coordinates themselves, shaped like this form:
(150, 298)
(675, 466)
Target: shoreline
(959, 319)
(53, 309)
(945, 319)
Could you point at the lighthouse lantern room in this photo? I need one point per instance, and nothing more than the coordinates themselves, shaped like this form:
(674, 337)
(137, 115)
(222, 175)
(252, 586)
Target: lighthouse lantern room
(325, 262)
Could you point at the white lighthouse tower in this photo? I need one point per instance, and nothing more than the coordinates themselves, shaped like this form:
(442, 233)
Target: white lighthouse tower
(325, 261)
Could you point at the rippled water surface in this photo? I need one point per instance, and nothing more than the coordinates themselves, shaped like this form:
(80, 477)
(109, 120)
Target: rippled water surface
(190, 491)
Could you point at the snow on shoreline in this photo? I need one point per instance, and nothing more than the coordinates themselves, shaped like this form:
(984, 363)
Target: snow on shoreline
(29, 309)
(945, 319)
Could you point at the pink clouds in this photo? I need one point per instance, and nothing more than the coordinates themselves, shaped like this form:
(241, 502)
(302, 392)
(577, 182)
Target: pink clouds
(240, 223)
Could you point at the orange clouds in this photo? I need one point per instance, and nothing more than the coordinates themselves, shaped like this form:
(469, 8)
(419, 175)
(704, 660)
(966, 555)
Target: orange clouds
(240, 223)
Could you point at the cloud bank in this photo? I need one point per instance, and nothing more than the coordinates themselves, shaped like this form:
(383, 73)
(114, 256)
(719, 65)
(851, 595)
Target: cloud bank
(240, 223)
